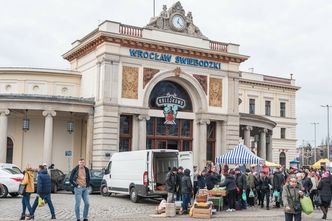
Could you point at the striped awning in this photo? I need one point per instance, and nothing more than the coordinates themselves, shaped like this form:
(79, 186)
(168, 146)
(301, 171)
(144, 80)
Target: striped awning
(239, 155)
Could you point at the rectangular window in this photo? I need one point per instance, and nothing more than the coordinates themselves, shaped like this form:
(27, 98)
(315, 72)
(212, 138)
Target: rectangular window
(211, 141)
(282, 109)
(283, 133)
(125, 133)
(251, 106)
(268, 108)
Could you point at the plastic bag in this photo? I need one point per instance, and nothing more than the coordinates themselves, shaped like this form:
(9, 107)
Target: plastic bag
(41, 202)
(251, 194)
(244, 196)
(276, 195)
(306, 205)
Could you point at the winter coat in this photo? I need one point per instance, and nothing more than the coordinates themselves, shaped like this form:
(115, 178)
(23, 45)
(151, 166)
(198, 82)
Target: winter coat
(263, 184)
(186, 185)
(325, 189)
(250, 181)
(178, 181)
(29, 181)
(201, 181)
(211, 180)
(44, 183)
(74, 175)
(290, 196)
(278, 180)
(170, 182)
(307, 184)
(241, 181)
(229, 183)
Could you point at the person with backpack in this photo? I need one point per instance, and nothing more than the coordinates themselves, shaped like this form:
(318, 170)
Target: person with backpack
(44, 185)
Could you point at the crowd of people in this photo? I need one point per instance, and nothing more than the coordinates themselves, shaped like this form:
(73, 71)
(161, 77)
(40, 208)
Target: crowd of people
(249, 187)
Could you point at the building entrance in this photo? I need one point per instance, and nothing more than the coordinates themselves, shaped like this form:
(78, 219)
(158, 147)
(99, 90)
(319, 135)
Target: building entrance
(176, 137)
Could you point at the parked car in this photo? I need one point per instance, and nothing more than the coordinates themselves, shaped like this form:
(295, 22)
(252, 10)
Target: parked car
(11, 166)
(57, 178)
(142, 173)
(96, 176)
(10, 180)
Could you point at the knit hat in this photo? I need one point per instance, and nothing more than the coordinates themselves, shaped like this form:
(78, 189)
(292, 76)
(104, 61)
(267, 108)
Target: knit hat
(325, 174)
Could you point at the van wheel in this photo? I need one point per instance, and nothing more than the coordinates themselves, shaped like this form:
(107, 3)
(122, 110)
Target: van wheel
(14, 194)
(104, 191)
(133, 195)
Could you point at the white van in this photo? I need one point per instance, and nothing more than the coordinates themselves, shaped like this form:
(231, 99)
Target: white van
(142, 173)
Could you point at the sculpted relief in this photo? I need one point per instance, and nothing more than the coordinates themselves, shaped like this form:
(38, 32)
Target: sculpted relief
(130, 82)
(215, 98)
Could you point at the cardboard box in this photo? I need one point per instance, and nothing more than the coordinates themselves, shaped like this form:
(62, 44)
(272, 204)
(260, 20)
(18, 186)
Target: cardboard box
(202, 213)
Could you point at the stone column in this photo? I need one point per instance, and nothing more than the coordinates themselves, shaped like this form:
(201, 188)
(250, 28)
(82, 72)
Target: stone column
(247, 130)
(89, 140)
(3, 134)
(142, 131)
(202, 142)
(48, 136)
(269, 147)
(219, 145)
(223, 137)
(262, 143)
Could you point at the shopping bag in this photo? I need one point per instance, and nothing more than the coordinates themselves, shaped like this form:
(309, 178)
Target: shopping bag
(251, 194)
(244, 196)
(317, 200)
(306, 205)
(276, 195)
(41, 202)
(21, 189)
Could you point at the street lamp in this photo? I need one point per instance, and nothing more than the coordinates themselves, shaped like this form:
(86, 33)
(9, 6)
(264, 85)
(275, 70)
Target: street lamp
(328, 130)
(315, 147)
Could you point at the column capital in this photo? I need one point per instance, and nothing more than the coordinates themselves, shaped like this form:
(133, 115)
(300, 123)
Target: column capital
(50, 113)
(247, 128)
(143, 117)
(203, 121)
(264, 130)
(4, 112)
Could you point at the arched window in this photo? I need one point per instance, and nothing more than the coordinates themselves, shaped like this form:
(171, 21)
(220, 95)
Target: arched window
(169, 87)
(282, 159)
(10, 148)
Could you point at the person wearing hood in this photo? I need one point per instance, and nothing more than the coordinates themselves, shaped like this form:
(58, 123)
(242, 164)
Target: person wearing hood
(325, 193)
(28, 181)
(43, 191)
(186, 190)
(230, 185)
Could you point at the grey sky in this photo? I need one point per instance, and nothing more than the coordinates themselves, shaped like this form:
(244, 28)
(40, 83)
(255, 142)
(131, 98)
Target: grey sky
(281, 37)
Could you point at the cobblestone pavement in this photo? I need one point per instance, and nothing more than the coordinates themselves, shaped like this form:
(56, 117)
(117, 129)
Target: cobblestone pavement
(122, 209)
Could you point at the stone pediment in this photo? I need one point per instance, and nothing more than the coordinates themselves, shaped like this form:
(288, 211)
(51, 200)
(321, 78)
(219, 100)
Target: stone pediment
(175, 20)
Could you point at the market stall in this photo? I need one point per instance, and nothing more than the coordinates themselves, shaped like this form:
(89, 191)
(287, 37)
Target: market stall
(321, 162)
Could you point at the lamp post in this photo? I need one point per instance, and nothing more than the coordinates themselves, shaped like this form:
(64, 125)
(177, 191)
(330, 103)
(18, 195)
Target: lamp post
(328, 129)
(315, 147)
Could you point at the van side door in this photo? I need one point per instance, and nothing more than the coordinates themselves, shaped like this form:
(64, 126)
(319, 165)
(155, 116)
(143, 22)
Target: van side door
(107, 176)
(186, 161)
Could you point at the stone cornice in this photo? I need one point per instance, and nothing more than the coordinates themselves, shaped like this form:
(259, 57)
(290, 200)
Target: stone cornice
(152, 45)
(40, 71)
(269, 84)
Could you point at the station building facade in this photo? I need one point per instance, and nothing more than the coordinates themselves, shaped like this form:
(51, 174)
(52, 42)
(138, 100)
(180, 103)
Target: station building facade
(165, 85)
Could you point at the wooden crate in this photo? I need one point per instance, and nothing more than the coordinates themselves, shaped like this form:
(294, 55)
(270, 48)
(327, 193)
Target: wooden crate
(202, 213)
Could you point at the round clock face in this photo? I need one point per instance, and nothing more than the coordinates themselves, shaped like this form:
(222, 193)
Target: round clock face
(178, 22)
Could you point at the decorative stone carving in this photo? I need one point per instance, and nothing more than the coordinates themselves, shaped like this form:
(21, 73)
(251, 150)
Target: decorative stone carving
(202, 80)
(215, 98)
(177, 71)
(163, 21)
(148, 74)
(130, 82)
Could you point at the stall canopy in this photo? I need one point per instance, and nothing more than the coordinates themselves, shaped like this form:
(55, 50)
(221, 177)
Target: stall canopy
(239, 155)
(320, 162)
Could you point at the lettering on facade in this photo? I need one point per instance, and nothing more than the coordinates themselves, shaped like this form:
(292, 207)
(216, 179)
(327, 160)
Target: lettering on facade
(171, 104)
(174, 59)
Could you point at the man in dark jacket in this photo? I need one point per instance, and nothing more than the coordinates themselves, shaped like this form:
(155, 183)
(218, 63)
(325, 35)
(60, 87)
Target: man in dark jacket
(230, 185)
(179, 176)
(80, 179)
(186, 190)
(277, 185)
(212, 179)
(44, 191)
(171, 184)
(241, 184)
(264, 183)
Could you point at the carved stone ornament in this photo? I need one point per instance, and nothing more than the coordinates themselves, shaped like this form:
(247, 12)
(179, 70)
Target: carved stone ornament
(202, 81)
(130, 82)
(215, 98)
(175, 19)
(177, 71)
(148, 74)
